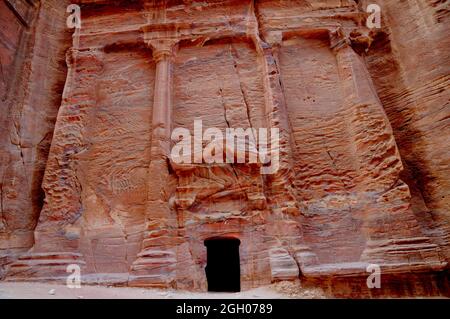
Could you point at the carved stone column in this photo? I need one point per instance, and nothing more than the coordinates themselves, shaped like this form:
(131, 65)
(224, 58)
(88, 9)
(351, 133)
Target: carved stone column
(155, 265)
(163, 51)
(393, 234)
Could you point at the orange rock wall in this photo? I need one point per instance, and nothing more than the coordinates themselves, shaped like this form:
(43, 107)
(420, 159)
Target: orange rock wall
(33, 45)
(412, 54)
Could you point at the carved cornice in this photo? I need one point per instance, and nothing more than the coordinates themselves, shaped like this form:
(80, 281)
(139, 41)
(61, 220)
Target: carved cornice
(271, 29)
(328, 19)
(234, 27)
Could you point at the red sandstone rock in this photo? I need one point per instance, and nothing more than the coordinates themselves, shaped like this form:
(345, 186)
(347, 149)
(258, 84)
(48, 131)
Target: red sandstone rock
(363, 119)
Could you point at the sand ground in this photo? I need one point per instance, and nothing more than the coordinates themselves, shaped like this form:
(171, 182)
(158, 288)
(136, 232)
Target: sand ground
(22, 290)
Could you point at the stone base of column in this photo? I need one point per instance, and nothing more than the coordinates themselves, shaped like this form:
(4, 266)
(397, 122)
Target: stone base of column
(282, 265)
(394, 256)
(405, 254)
(49, 267)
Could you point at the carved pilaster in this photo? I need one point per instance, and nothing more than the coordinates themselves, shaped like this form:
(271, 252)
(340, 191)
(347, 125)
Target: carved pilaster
(364, 110)
(385, 196)
(163, 51)
(59, 229)
(63, 203)
(282, 194)
(284, 230)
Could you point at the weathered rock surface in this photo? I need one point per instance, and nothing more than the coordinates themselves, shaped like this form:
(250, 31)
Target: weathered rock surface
(32, 54)
(364, 125)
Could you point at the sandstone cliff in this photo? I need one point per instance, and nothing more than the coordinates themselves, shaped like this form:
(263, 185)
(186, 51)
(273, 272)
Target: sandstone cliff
(363, 116)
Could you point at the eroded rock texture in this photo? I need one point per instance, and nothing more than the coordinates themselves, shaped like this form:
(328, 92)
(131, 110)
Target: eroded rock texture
(33, 42)
(363, 121)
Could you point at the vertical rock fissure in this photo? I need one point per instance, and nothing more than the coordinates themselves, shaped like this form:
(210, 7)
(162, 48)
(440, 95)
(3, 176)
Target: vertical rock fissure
(2, 220)
(224, 107)
(233, 54)
(228, 125)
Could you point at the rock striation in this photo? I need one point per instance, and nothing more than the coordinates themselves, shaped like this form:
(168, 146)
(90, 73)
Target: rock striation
(363, 118)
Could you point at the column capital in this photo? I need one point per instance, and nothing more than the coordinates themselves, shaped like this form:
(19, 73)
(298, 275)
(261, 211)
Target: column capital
(162, 48)
(274, 38)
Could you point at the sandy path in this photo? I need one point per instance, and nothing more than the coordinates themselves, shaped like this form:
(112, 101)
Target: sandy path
(10, 290)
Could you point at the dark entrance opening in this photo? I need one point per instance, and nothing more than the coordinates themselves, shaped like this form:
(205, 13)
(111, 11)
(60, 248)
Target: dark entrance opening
(223, 271)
